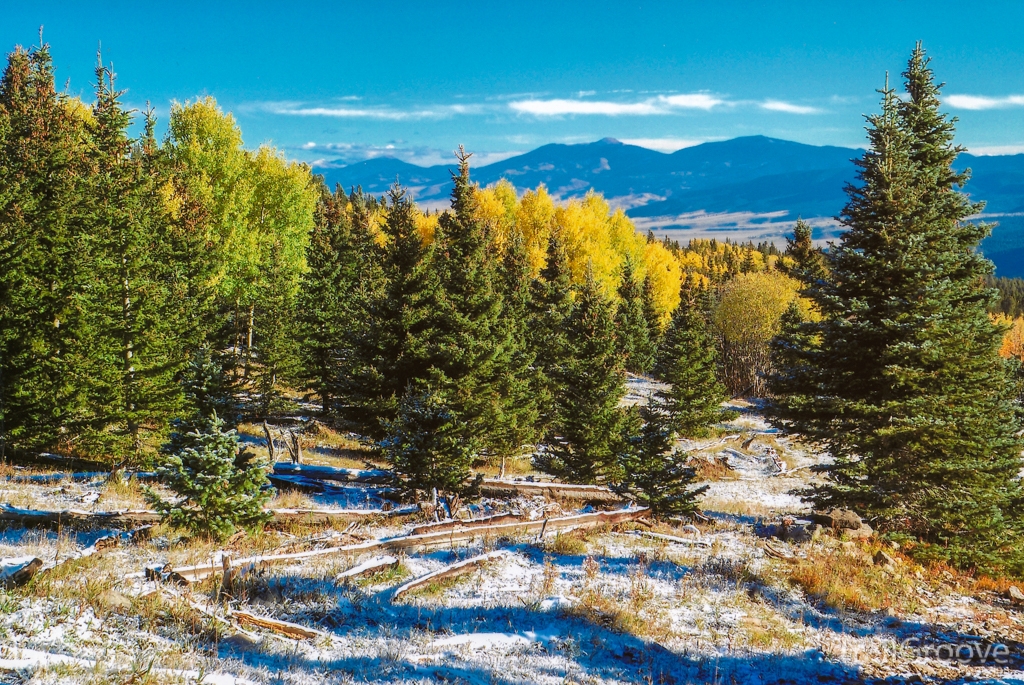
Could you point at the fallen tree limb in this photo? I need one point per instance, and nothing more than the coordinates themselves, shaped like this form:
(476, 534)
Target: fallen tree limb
(776, 553)
(292, 630)
(332, 473)
(188, 574)
(670, 538)
(452, 571)
(493, 487)
(97, 519)
(455, 523)
(368, 568)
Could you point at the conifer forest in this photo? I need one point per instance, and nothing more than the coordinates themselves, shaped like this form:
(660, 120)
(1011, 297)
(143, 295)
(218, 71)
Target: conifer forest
(234, 401)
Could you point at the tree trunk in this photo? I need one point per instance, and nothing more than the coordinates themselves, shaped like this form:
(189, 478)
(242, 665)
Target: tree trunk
(248, 341)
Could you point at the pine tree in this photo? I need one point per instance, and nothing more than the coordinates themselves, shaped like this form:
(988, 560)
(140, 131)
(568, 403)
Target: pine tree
(470, 349)
(328, 299)
(550, 305)
(219, 486)
(390, 348)
(653, 472)
(900, 380)
(427, 446)
(132, 342)
(587, 434)
(513, 422)
(655, 330)
(632, 327)
(688, 361)
(44, 260)
(807, 262)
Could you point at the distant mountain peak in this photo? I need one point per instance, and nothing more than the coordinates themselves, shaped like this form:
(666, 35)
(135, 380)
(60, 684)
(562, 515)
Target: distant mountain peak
(609, 141)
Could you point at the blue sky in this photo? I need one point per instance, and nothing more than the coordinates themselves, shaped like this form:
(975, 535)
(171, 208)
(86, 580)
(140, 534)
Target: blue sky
(344, 80)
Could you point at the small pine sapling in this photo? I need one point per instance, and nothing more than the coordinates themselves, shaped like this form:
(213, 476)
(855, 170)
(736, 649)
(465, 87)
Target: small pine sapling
(428, 448)
(654, 473)
(219, 487)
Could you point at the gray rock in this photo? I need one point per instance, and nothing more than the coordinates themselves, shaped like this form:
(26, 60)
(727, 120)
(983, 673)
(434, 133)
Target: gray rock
(1015, 594)
(881, 558)
(843, 519)
(865, 531)
(112, 600)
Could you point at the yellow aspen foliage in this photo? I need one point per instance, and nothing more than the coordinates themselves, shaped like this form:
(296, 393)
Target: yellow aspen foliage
(666, 274)
(426, 225)
(496, 209)
(533, 216)
(1013, 341)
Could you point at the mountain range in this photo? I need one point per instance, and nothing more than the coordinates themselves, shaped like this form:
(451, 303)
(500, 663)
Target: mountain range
(750, 188)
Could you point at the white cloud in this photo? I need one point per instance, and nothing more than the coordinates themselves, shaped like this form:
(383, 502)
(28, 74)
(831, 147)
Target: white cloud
(662, 104)
(383, 113)
(341, 154)
(788, 107)
(559, 107)
(979, 102)
(692, 101)
(662, 144)
(984, 150)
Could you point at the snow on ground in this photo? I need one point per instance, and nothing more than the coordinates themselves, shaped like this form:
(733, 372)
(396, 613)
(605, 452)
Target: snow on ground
(598, 608)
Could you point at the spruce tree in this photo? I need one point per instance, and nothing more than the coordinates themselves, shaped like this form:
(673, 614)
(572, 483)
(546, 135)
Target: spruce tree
(588, 430)
(688, 360)
(132, 342)
(390, 347)
(653, 472)
(219, 486)
(653, 319)
(427, 446)
(44, 255)
(632, 328)
(900, 379)
(470, 350)
(513, 421)
(550, 305)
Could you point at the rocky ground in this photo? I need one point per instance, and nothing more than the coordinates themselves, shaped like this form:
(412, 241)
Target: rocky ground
(711, 601)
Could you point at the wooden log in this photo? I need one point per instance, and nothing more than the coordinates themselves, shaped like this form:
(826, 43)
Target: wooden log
(452, 571)
(198, 572)
(332, 473)
(670, 538)
(493, 487)
(51, 478)
(455, 523)
(17, 571)
(292, 630)
(38, 517)
(96, 519)
(368, 568)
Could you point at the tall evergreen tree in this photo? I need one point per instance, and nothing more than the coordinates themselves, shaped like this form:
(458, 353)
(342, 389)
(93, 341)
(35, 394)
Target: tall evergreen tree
(688, 361)
(588, 430)
(43, 255)
(900, 380)
(550, 305)
(132, 333)
(632, 329)
(513, 422)
(470, 347)
(391, 346)
(803, 261)
(327, 300)
(655, 330)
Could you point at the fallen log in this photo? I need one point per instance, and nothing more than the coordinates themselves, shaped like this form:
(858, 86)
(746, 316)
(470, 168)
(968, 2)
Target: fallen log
(368, 568)
(333, 473)
(292, 630)
(458, 569)
(494, 487)
(189, 574)
(17, 571)
(455, 523)
(670, 538)
(78, 476)
(41, 517)
(97, 519)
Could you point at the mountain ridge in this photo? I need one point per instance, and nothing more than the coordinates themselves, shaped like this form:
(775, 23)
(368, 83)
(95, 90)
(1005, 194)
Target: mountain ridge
(746, 188)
